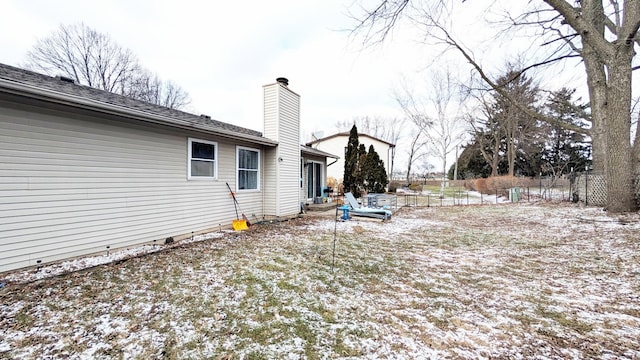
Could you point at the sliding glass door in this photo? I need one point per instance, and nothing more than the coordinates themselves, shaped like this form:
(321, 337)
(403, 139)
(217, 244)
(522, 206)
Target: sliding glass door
(314, 180)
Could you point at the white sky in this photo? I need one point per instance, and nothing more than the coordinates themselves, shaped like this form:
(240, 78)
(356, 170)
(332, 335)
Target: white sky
(222, 52)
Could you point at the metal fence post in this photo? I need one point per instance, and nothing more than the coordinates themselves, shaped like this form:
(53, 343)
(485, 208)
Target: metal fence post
(586, 188)
(540, 185)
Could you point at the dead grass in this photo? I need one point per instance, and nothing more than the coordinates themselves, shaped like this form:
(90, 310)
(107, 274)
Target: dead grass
(462, 282)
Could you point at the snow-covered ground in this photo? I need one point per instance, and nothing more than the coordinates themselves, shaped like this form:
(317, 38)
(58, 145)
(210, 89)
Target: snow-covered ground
(544, 281)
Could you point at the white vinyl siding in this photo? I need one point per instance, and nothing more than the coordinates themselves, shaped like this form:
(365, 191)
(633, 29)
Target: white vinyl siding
(202, 163)
(282, 124)
(336, 145)
(270, 171)
(248, 165)
(73, 185)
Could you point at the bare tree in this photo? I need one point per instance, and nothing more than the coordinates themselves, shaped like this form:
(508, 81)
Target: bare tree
(85, 55)
(417, 149)
(91, 58)
(602, 34)
(150, 88)
(383, 128)
(486, 132)
(445, 130)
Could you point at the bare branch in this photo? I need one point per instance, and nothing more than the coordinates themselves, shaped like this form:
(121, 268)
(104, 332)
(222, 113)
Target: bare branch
(379, 22)
(93, 59)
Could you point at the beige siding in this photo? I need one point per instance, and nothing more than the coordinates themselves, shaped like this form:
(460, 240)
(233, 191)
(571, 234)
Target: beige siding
(271, 111)
(72, 185)
(271, 155)
(336, 145)
(289, 152)
(270, 181)
(282, 124)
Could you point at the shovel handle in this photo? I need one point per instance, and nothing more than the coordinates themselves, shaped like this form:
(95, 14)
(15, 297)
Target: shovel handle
(235, 202)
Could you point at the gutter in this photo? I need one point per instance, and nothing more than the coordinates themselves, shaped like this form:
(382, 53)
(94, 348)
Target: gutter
(33, 92)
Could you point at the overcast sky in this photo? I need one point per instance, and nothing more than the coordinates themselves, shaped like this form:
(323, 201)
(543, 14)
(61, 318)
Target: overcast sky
(222, 52)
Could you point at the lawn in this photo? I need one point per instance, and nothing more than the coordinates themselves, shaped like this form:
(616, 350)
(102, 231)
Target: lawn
(540, 281)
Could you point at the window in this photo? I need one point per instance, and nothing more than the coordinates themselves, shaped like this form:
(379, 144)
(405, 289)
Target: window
(248, 168)
(202, 159)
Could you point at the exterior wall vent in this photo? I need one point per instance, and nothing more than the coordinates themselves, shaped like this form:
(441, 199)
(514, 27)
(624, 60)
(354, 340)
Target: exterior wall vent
(65, 79)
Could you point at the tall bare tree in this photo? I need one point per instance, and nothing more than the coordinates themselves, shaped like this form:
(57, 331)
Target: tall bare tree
(602, 34)
(486, 133)
(444, 130)
(91, 58)
(417, 149)
(150, 88)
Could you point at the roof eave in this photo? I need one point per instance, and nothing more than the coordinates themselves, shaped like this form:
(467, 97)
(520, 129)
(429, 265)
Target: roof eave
(52, 96)
(316, 152)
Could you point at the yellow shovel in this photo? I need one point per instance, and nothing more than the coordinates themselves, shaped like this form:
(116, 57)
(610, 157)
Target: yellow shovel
(238, 224)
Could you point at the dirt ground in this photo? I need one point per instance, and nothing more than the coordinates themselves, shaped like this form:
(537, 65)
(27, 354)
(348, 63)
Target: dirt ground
(543, 281)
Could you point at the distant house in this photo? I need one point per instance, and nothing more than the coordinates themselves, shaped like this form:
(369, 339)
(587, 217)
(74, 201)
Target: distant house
(83, 170)
(337, 144)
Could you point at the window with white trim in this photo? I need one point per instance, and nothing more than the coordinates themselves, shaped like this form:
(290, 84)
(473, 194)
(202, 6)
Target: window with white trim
(248, 164)
(203, 162)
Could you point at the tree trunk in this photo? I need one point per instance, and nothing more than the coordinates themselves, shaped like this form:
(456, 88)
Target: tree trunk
(636, 152)
(597, 84)
(619, 171)
(511, 154)
(409, 168)
(495, 159)
(444, 176)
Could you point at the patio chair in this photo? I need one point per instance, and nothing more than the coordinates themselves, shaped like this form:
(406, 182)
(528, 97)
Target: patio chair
(358, 210)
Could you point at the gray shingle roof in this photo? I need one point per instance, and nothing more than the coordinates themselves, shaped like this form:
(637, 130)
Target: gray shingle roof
(168, 116)
(311, 151)
(346, 134)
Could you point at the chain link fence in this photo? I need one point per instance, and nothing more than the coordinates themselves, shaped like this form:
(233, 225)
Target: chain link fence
(588, 187)
(456, 193)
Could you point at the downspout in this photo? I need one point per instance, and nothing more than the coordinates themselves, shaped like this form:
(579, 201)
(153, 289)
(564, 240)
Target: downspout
(263, 159)
(389, 166)
(301, 164)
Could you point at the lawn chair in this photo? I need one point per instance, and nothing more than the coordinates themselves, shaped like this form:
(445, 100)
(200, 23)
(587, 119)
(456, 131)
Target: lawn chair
(358, 210)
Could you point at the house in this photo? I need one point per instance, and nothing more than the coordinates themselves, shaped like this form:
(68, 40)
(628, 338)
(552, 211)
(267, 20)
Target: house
(84, 171)
(337, 144)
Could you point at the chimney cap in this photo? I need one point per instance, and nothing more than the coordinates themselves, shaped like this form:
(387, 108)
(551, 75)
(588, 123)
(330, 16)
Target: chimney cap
(283, 80)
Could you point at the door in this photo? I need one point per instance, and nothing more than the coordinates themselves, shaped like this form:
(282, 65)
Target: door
(314, 180)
